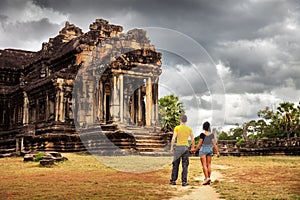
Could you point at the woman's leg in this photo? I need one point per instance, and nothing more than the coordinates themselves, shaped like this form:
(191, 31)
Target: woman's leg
(208, 164)
(204, 166)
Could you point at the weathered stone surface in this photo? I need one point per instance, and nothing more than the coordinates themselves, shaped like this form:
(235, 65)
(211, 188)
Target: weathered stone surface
(47, 162)
(116, 76)
(29, 157)
(251, 147)
(55, 156)
(4, 155)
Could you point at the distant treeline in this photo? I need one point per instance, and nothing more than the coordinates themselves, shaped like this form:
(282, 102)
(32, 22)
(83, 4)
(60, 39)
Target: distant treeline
(280, 123)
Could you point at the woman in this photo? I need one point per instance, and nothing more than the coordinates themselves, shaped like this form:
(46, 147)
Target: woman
(206, 144)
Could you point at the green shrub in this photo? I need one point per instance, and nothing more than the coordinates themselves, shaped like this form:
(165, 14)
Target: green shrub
(240, 141)
(39, 156)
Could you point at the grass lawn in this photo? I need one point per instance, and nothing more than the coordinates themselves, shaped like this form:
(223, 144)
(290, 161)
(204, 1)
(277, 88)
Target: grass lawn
(268, 177)
(85, 177)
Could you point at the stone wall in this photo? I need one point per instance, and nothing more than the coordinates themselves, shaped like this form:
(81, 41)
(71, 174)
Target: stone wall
(271, 146)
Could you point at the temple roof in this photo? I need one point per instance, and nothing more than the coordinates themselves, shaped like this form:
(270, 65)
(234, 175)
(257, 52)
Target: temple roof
(69, 41)
(15, 59)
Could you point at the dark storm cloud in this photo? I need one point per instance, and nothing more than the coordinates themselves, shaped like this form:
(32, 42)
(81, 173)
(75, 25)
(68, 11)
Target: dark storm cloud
(206, 21)
(197, 102)
(30, 31)
(256, 41)
(33, 30)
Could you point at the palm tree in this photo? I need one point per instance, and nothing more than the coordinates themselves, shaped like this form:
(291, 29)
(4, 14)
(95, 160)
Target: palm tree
(289, 117)
(170, 110)
(285, 120)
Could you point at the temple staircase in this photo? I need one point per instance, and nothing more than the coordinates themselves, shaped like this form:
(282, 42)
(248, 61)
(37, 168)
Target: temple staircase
(7, 143)
(149, 141)
(104, 139)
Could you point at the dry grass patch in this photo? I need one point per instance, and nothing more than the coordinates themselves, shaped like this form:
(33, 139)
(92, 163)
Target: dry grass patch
(85, 177)
(269, 177)
(82, 177)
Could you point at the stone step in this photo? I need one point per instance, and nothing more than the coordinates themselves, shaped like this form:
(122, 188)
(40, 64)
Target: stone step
(105, 145)
(61, 149)
(152, 137)
(152, 149)
(108, 153)
(95, 132)
(10, 140)
(8, 133)
(158, 154)
(107, 148)
(151, 145)
(8, 150)
(93, 144)
(106, 140)
(149, 141)
(146, 135)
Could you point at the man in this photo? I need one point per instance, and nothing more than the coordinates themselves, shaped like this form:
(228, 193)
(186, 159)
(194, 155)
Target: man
(182, 133)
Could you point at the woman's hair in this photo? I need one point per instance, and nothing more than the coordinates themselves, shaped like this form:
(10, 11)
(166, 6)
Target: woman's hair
(206, 126)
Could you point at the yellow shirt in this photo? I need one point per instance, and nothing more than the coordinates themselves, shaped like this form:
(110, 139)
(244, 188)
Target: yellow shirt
(183, 133)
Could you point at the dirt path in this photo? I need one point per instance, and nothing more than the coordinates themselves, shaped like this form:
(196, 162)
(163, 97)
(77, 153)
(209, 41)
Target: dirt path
(202, 192)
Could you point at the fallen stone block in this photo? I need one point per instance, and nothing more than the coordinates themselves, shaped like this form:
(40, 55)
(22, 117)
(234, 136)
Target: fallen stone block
(55, 154)
(47, 162)
(29, 157)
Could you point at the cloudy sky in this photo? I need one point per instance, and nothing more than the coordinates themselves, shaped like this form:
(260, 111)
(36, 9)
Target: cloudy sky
(224, 59)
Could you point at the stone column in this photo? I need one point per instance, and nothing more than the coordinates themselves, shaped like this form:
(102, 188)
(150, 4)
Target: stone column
(61, 106)
(81, 112)
(101, 102)
(57, 103)
(140, 106)
(116, 99)
(121, 89)
(132, 108)
(149, 102)
(22, 144)
(89, 101)
(47, 107)
(126, 100)
(113, 88)
(25, 108)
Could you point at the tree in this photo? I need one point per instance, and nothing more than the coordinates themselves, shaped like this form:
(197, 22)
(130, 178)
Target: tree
(170, 110)
(288, 117)
(283, 122)
(223, 136)
(237, 133)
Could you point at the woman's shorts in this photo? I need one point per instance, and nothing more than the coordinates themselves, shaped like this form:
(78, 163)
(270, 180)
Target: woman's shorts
(206, 150)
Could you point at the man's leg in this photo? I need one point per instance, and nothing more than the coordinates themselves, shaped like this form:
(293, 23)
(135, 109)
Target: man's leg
(175, 167)
(185, 164)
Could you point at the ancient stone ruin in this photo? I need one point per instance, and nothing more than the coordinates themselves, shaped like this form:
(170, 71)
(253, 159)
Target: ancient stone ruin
(82, 91)
(45, 159)
(95, 91)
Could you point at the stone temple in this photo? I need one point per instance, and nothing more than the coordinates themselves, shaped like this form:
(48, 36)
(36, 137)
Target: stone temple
(82, 91)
